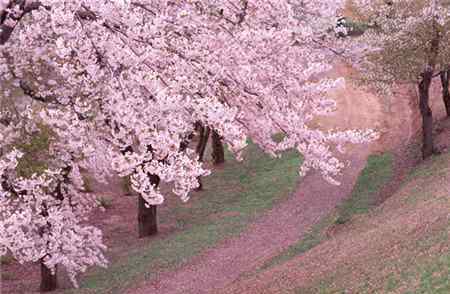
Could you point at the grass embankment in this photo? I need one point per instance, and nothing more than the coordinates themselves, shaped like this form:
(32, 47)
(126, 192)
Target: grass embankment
(234, 195)
(401, 246)
(377, 173)
(410, 248)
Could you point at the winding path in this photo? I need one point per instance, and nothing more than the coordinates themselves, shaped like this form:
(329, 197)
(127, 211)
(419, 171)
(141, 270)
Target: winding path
(286, 223)
(272, 233)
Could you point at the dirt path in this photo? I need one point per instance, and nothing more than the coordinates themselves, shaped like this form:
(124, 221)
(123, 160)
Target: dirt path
(403, 235)
(272, 233)
(400, 238)
(286, 223)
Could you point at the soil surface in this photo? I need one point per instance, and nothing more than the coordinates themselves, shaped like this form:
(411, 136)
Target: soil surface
(385, 244)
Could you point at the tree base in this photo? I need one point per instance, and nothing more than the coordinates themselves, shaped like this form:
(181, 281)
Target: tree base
(218, 151)
(147, 219)
(49, 282)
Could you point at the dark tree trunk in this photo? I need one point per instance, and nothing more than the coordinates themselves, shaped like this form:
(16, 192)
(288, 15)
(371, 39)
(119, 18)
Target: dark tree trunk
(427, 114)
(49, 282)
(218, 152)
(203, 141)
(424, 94)
(201, 147)
(185, 143)
(147, 214)
(126, 183)
(445, 76)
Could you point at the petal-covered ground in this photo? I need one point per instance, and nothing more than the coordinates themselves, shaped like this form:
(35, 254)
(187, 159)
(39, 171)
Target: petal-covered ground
(227, 263)
(314, 199)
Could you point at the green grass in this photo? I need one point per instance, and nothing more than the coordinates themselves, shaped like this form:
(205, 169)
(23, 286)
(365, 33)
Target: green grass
(435, 276)
(322, 288)
(125, 183)
(416, 273)
(6, 259)
(437, 165)
(36, 153)
(392, 284)
(433, 168)
(88, 183)
(429, 273)
(233, 197)
(423, 264)
(311, 239)
(356, 28)
(377, 173)
(104, 202)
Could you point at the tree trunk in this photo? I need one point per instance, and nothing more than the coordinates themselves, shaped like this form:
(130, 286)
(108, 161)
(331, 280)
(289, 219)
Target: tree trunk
(49, 282)
(185, 143)
(218, 152)
(201, 147)
(147, 214)
(203, 141)
(424, 94)
(427, 114)
(445, 76)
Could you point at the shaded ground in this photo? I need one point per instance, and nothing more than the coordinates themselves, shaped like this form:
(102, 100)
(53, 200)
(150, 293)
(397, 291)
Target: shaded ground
(234, 195)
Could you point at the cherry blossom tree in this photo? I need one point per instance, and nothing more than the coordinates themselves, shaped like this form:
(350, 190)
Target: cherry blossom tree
(407, 43)
(136, 77)
(43, 216)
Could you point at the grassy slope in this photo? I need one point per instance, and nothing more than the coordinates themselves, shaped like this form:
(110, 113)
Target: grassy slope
(423, 264)
(234, 196)
(403, 246)
(377, 173)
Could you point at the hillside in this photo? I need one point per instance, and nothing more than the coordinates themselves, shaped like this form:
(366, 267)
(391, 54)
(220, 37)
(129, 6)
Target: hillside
(401, 246)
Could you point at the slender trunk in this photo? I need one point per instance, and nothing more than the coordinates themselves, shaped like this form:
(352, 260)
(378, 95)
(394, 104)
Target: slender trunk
(218, 152)
(445, 80)
(49, 282)
(147, 214)
(203, 141)
(201, 147)
(126, 182)
(427, 114)
(424, 94)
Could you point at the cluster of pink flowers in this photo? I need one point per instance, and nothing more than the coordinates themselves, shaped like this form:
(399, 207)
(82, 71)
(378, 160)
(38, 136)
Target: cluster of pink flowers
(117, 74)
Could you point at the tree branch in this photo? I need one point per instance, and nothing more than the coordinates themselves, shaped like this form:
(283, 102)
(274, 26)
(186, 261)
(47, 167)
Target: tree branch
(7, 27)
